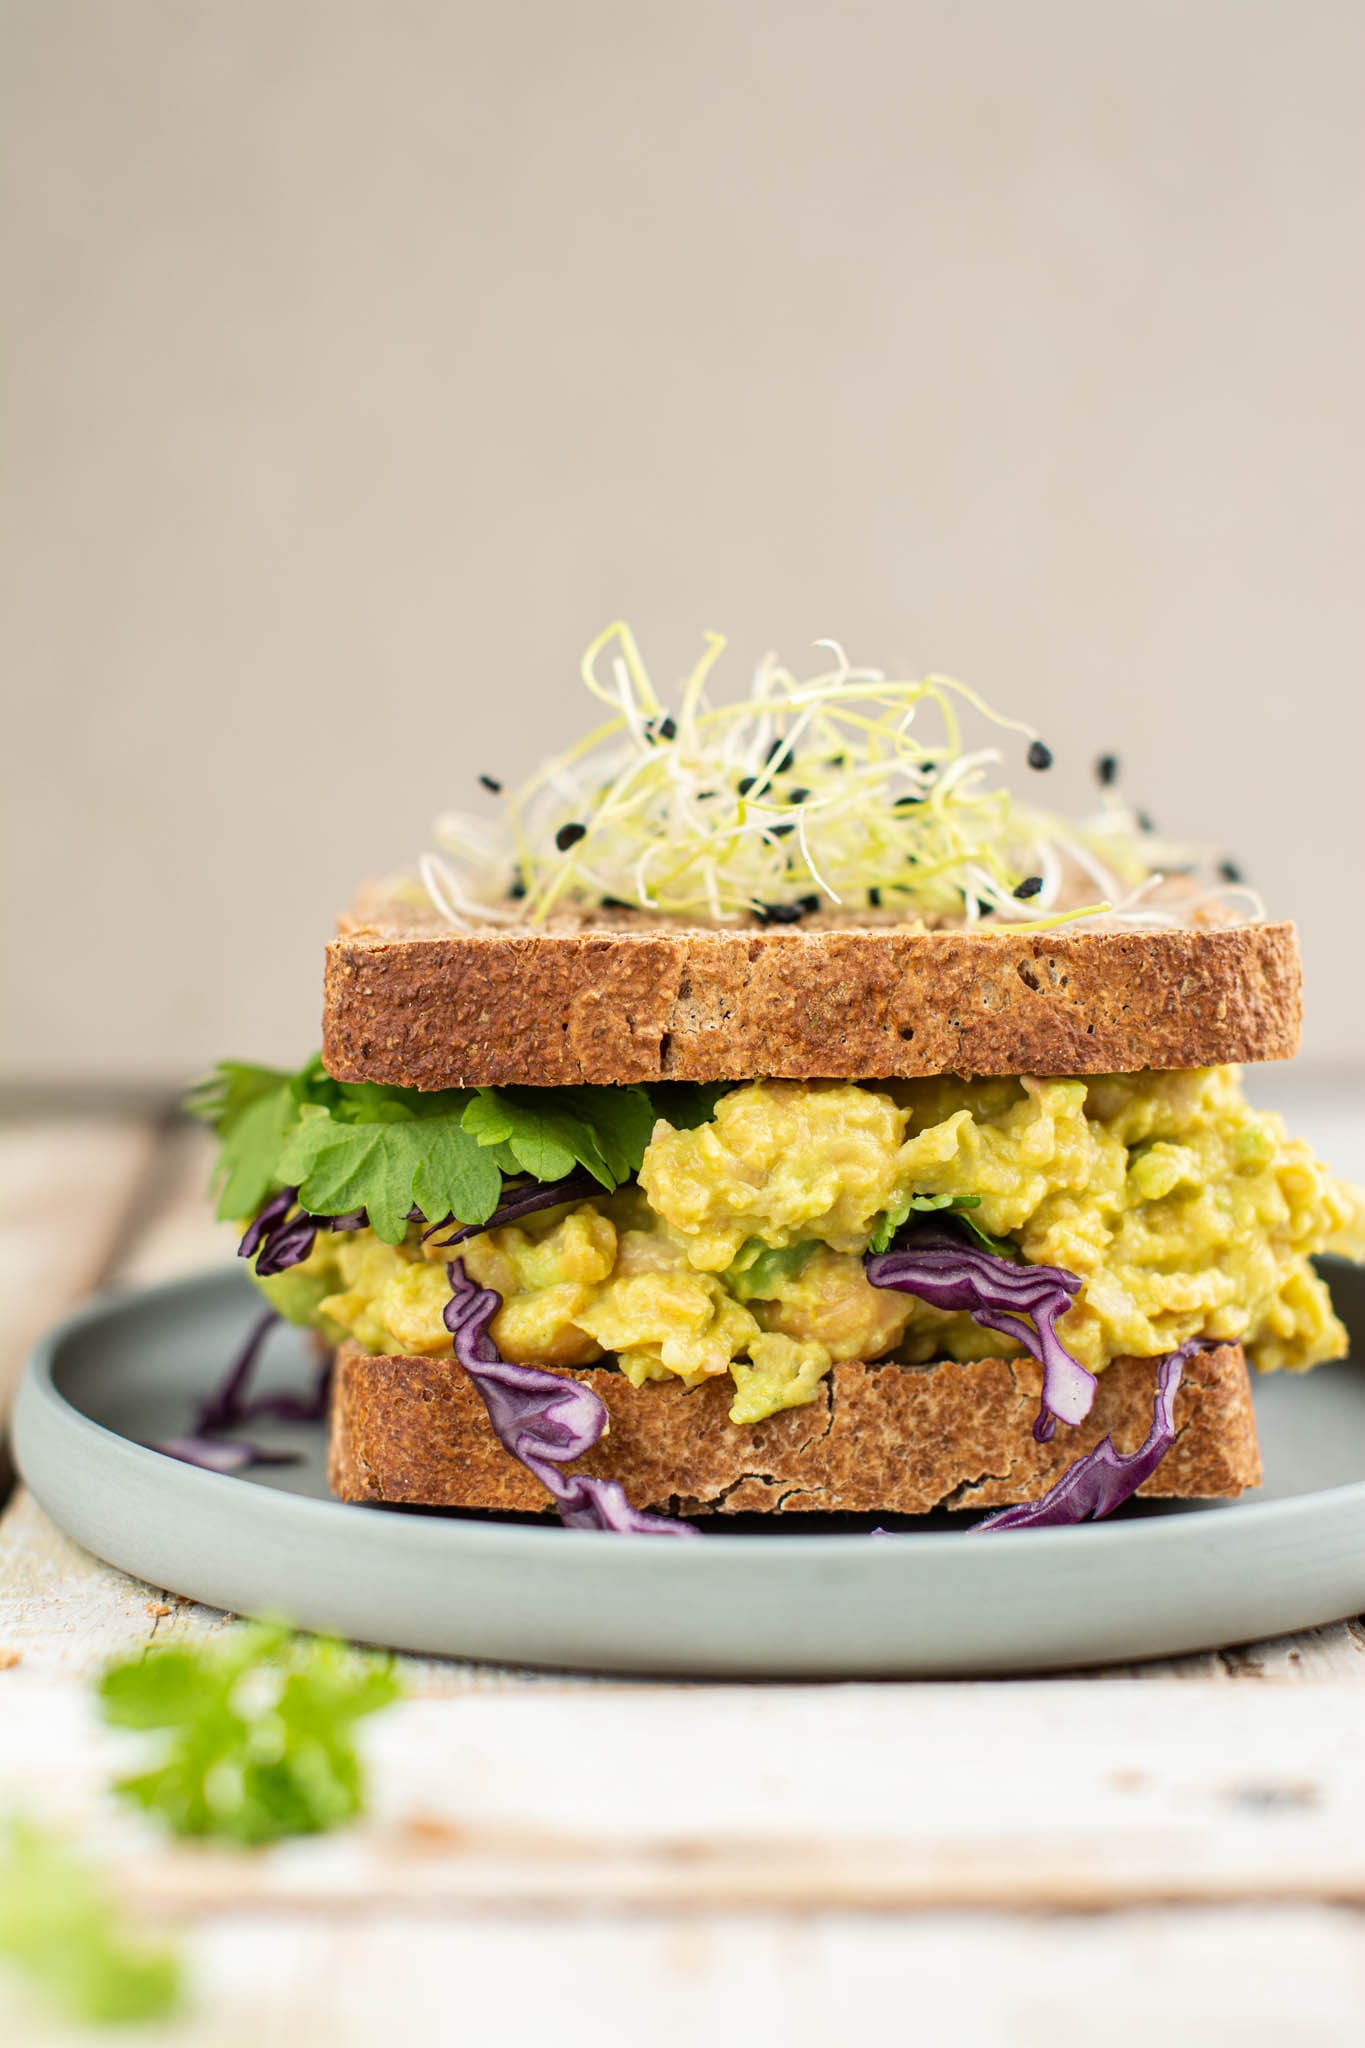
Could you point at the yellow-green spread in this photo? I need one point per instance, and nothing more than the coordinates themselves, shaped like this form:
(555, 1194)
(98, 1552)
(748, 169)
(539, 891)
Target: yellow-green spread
(1184, 1211)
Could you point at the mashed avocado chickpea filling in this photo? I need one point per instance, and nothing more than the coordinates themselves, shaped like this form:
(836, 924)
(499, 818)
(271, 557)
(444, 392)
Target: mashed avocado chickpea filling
(729, 1237)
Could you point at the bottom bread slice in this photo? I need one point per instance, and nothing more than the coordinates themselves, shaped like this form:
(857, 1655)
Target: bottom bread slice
(884, 1438)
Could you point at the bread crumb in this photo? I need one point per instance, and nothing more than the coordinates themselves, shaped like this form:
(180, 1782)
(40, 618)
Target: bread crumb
(10, 1658)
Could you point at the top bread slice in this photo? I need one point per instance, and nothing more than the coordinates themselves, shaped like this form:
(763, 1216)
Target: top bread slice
(413, 1002)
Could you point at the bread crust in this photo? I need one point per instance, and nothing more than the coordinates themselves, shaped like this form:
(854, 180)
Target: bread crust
(879, 1438)
(412, 1002)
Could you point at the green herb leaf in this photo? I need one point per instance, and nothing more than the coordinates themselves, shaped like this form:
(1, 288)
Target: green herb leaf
(899, 1213)
(253, 1110)
(386, 1167)
(493, 1120)
(1003, 1247)
(360, 1145)
(685, 1104)
(220, 1098)
(452, 1174)
(549, 1131)
(249, 1155)
(758, 1269)
(61, 1928)
(259, 1729)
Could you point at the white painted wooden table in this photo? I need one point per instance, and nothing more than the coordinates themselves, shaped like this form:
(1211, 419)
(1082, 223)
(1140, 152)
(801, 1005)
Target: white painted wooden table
(1176, 1850)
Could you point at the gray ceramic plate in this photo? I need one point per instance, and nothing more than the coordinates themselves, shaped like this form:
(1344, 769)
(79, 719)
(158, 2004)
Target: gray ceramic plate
(935, 1600)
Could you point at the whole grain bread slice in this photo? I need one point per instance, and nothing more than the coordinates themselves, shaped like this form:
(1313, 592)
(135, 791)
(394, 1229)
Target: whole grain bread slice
(878, 1438)
(411, 1001)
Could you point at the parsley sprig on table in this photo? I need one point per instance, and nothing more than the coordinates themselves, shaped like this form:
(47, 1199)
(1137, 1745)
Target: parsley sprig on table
(258, 1727)
(358, 1145)
(60, 1928)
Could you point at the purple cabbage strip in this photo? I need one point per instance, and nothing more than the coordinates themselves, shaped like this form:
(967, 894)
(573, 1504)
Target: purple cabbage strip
(543, 1419)
(309, 1407)
(277, 1240)
(267, 1218)
(228, 1407)
(1022, 1302)
(216, 1454)
(521, 1201)
(1104, 1478)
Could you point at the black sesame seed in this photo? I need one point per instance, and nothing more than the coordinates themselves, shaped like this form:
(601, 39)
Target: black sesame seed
(569, 835)
(983, 908)
(1039, 755)
(810, 904)
(1107, 770)
(903, 803)
(874, 897)
(614, 903)
(780, 831)
(1145, 822)
(779, 757)
(1230, 871)
(516, 888)
(782, 913)
(745, 784)
(704, 794)
(836, 761)
(1030, 886)
(491, 784)
(797, 796)
(668, 728)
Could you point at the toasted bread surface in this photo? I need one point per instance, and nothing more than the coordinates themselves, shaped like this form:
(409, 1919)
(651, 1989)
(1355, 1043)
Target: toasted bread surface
(412, 1002)
(878, 1438)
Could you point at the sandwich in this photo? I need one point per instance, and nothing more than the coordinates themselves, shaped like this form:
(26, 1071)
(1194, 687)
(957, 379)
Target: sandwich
(765, 1112)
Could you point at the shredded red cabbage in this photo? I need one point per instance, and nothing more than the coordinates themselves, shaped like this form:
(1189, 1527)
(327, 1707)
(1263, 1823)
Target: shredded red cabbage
(282, 1235)
(229, 1406)
(1019, 1301)
(521, 1201)
(1104, 1478)
(217, 1454)
(543, 1419)
(278, 1240)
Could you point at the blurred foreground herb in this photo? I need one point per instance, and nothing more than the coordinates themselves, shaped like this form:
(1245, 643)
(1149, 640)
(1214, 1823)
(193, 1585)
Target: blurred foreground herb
(62, 1930)
(259, 1731)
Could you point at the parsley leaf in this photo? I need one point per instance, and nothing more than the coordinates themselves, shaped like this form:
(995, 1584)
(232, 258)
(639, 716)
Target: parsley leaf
(62, 1929)
(494, 1121)
(900, 1212)
(259, 1732)
(549, 1131)
(248, 1161)
(360, 1145)
(758, 1271)
(389, 1163)
(685, 1104)
(253, 1109)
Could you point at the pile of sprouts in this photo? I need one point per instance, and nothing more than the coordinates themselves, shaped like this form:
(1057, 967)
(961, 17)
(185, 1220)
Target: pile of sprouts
(847, 793)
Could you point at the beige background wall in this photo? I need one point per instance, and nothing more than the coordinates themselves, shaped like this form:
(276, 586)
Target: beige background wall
(364, 359)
